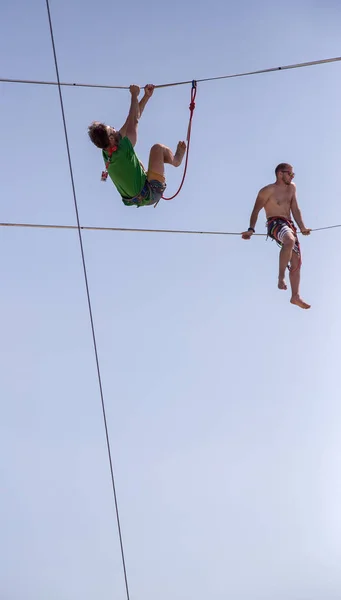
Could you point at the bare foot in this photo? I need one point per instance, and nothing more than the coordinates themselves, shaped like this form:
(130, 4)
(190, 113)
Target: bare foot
(281, 284)
(299, 302)
(179, 154)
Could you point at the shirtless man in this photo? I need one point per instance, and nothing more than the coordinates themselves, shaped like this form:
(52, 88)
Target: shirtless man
(136, 186)
(280, 202)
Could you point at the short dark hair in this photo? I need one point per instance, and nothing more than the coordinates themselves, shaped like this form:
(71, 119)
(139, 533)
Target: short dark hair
(282, 167)
(98, 134)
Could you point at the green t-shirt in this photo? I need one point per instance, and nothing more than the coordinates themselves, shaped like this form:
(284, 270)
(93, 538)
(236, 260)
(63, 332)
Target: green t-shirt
(125, 169)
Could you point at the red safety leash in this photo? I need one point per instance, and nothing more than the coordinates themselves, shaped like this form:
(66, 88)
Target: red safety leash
(191, 108)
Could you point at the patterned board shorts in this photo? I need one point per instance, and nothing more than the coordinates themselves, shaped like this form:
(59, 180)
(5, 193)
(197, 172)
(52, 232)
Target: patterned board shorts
(278, 227)
(150, 194)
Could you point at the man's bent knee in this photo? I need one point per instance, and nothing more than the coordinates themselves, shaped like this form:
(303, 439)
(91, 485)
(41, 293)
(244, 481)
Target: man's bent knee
(160, 154)
(156, 163)
(157, 148)
(289, 241)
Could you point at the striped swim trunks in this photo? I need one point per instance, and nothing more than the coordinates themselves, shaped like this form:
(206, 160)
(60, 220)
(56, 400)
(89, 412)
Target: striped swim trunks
(278, 227)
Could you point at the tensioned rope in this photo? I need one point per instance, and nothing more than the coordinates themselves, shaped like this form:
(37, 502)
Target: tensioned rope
(312, 63)
(138, 230)
(89, 300)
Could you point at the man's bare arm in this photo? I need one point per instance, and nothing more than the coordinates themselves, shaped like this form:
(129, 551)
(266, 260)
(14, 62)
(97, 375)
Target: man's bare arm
(259, 204)
(296, 213)
(129, 128)
(148, 92)
(261, 200)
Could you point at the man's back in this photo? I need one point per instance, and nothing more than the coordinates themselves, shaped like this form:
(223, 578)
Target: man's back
(125, 169)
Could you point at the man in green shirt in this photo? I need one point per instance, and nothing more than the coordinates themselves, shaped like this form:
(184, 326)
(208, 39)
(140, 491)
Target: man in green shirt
(136, 186)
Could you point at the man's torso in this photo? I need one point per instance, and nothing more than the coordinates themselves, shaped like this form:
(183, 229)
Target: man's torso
(279, 200)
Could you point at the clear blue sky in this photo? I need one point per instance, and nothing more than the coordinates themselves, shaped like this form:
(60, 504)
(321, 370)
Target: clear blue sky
(223, 400)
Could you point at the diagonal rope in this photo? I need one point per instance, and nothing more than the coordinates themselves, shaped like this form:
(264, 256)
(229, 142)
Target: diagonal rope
(312, 63)
(89, 300)
(138, 230)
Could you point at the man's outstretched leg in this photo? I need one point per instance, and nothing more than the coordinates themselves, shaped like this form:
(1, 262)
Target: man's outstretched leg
(295, 276)
(285, 258)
